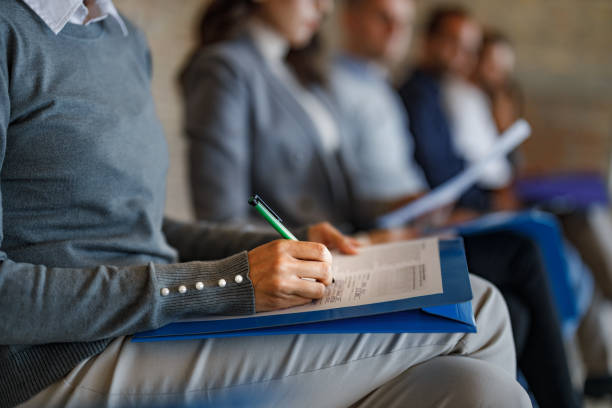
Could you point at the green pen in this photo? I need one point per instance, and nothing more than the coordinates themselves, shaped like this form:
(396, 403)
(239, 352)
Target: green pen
(274, 220)
(270, 216)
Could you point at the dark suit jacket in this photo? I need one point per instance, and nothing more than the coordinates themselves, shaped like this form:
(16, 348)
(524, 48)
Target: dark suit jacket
(433, 147)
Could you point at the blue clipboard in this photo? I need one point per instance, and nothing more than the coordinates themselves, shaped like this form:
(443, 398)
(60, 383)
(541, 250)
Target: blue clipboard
(449, 311)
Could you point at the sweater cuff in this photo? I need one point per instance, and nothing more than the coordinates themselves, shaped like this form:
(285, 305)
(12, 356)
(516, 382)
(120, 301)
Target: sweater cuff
(197, 289)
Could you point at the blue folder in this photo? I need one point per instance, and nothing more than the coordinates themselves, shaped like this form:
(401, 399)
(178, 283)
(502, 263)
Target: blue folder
(450, 311)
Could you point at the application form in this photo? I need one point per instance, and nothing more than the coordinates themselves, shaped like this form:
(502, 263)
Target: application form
(385, 272)
(378, 273)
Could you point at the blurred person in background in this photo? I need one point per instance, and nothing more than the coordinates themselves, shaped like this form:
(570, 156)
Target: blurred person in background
(444, 148)
(376, 36)
(257, 112)
(451, 120)
(494, 73)
(256, 124)
(472, 126)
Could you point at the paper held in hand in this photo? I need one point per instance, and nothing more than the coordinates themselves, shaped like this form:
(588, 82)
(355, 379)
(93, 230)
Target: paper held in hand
(382, 273)
(450, 191)
(379, 273)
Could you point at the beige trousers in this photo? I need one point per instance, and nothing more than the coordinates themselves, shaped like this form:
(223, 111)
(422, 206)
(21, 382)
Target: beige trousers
(361, 370)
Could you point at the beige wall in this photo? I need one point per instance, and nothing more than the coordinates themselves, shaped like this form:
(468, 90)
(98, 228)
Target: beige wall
(564, 65)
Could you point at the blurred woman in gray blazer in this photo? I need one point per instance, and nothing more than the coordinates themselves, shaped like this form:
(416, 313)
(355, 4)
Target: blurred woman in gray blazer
(259, 119)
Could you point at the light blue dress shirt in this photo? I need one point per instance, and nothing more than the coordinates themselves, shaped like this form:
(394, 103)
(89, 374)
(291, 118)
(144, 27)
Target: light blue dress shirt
(379, 128)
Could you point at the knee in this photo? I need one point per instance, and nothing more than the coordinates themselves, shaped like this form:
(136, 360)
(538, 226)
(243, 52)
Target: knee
(475, 383)
(450, 382)
(486, 389)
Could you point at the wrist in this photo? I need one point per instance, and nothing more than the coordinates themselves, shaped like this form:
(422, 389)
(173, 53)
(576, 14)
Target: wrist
(192, 289)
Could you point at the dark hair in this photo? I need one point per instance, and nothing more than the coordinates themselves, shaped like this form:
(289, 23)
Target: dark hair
(513, 89)
(438, 16)
(223, 20)
(494, 37)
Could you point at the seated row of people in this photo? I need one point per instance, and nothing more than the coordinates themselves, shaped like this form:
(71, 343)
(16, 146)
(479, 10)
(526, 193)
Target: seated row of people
(332, 143)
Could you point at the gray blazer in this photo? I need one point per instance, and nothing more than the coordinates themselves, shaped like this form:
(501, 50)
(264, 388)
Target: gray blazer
(248, 134)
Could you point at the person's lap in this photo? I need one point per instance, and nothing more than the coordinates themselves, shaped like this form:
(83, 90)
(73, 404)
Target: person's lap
(313, 370)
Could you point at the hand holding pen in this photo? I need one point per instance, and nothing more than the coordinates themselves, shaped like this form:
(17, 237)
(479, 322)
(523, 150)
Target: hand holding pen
(288, 272)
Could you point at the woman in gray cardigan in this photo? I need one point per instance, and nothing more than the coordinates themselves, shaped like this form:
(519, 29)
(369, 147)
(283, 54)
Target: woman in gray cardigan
(255, 125)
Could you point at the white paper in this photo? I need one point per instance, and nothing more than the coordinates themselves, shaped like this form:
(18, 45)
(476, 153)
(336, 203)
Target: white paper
(450, 191)
(385, 272)
(379, 273)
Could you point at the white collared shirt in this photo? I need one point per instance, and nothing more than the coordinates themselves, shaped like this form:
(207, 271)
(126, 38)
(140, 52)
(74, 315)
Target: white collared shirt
(57, 13)
(274, 48)
(474, 132)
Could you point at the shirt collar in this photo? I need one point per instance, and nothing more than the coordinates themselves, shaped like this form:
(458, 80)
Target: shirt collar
(57, 13)
(272, 46)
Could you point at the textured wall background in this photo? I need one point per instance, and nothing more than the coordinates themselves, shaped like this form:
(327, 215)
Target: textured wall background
(564, 65)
